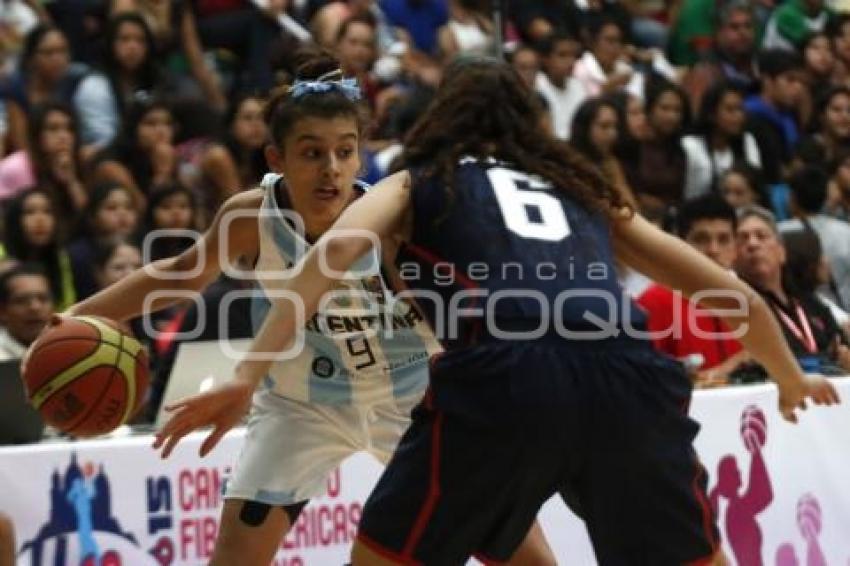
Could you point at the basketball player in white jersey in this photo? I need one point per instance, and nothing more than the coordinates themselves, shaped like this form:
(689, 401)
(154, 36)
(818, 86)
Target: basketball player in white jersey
(349, 389)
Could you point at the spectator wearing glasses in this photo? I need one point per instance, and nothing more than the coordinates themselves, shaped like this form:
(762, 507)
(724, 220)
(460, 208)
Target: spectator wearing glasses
(809, 327)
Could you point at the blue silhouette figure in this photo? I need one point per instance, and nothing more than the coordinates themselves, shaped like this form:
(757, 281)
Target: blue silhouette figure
(81, 495)
(65, 517)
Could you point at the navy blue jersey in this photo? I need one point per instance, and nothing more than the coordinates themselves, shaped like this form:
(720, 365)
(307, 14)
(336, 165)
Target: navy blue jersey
(505, 250)
(506, 253)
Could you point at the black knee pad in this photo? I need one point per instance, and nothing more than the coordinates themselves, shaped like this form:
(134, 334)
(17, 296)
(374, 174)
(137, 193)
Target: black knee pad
(254, 513)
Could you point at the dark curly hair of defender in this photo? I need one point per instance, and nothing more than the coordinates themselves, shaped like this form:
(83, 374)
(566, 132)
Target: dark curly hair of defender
(282, 111)
(484, 109)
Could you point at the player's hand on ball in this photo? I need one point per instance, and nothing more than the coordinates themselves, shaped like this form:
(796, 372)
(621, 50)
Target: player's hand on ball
(221, 408)
(814, 388)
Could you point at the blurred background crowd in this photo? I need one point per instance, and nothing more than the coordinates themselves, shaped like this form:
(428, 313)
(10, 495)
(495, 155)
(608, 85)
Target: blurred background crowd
(727, 121)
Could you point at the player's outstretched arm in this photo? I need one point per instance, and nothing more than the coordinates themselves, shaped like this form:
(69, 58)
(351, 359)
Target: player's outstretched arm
(673, 263)
(378, 215)
(190, 271)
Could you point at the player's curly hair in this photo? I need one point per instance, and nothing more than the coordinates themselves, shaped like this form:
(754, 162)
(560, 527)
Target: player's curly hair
(484, 109)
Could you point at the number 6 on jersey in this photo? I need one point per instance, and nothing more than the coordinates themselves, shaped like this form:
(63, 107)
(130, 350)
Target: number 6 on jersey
(516, 193)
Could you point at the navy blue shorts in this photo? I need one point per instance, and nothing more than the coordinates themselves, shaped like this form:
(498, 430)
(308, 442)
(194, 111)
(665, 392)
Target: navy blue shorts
(504, 426)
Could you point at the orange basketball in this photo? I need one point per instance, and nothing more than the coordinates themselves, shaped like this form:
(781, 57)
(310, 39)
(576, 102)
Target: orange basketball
(86, 376)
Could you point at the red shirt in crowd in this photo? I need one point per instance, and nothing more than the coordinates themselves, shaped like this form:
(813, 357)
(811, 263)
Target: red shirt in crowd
(658, 302)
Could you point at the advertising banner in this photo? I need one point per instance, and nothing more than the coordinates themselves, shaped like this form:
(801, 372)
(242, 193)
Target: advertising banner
(782, 493)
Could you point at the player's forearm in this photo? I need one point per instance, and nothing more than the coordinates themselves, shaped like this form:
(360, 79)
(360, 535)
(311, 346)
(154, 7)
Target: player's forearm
(293, 306)
(675, 264)
(144, 290)
(269, 343)
(743, 310)
(732, 363)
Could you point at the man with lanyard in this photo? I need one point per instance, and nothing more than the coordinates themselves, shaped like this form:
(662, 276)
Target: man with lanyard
(809, 328)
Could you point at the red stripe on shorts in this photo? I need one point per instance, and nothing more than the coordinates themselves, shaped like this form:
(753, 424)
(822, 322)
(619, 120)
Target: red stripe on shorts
(384, 552)
(707, 513)
(433, 490)
(705, 506)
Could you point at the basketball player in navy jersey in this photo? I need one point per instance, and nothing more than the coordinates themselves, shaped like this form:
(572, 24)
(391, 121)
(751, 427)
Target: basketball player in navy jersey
(507, 240)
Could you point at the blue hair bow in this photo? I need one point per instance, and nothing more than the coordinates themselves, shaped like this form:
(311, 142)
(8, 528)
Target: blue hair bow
(348, 87)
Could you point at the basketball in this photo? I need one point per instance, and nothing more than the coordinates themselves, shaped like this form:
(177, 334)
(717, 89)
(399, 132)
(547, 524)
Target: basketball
(86, 376)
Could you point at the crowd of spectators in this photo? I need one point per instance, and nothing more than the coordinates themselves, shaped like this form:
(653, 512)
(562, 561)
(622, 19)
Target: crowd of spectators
(726, 121)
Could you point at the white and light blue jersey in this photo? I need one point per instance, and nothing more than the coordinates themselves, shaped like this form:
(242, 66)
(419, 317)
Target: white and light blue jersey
(349, 356)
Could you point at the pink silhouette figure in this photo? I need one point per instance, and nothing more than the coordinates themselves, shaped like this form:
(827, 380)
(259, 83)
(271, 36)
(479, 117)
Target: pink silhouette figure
(786, 555)
(809, 523)
(740, 525)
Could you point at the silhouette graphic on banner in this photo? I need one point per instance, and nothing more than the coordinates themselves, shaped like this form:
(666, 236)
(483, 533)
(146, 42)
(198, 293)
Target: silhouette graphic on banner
(786, 555)
(740, 526)
(80, 505)
(810, 524)
(80, 495)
